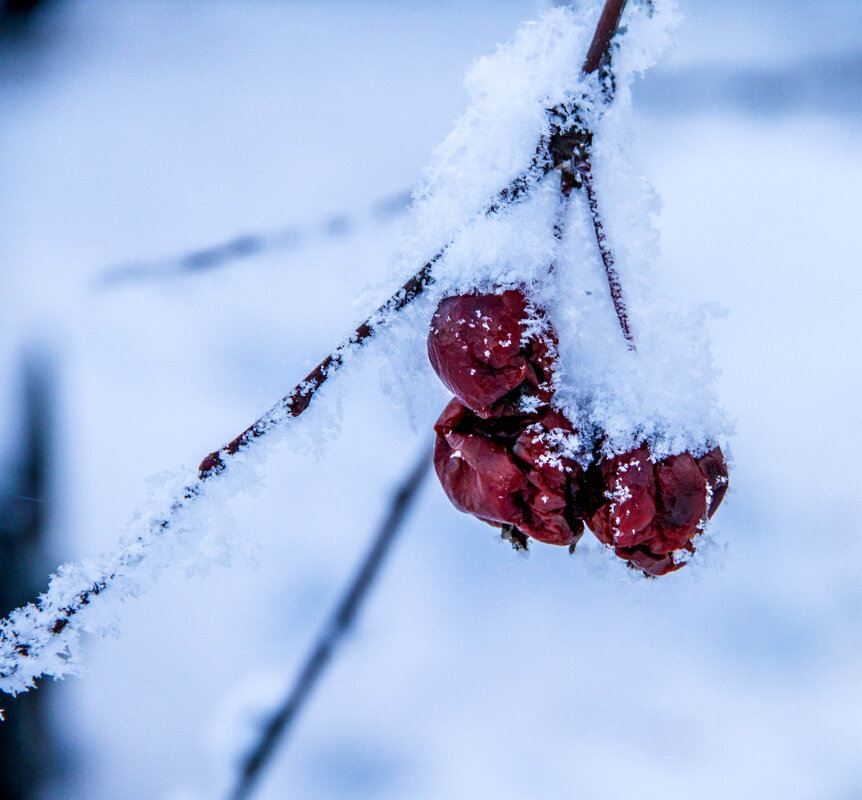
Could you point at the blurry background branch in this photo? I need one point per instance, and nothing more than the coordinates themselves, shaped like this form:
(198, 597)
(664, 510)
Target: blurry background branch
(255, 244)
(17, 16)
(27, 753)
(333, 633)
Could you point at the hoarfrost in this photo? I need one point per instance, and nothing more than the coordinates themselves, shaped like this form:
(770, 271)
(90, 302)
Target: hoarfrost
(186, 525)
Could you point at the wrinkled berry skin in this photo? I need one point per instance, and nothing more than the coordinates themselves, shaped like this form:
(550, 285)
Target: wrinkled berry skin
(654, 508)
(497, 455)
(504, 471)
(478, 347)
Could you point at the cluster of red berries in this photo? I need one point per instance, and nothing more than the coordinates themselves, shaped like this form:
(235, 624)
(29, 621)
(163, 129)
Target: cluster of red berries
(504, 455)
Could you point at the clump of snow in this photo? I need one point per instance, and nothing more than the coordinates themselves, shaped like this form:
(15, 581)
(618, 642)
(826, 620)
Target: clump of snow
(510, 93)
(664, 393)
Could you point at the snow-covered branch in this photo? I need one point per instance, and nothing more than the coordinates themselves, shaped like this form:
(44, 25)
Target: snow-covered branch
(549, 109)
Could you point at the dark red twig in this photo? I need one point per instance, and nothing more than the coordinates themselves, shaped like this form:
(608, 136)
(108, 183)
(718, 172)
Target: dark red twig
(585, 170)
(293, 404)
(606, 27)
(570, 151)
(598, 56)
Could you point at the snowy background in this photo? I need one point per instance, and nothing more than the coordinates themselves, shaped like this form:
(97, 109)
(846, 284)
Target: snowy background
(133, 131)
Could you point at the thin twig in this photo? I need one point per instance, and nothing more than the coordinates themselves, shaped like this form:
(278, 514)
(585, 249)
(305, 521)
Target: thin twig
(564, 145)
(585, 169)
(609, 21)
(598, 57)
(333, 633)
(248, 245)
(293, 404)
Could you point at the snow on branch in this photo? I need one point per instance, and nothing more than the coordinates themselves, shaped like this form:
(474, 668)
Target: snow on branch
(536, 105)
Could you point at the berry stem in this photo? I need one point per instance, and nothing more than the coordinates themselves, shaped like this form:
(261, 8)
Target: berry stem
(585, 170)
(569, 148)
(607, 26)
(598, 56)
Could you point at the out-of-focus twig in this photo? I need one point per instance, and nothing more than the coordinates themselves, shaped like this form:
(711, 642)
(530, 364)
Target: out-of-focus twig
(17, 16)
(332, 635)
(250, 245)
(28, 754)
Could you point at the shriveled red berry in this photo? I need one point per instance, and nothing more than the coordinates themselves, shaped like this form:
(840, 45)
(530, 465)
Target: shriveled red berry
(649, 563)
(478, 472)
(500, 448)
(714, 467)
(508, 470)
(655, 508)
(478, 346)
